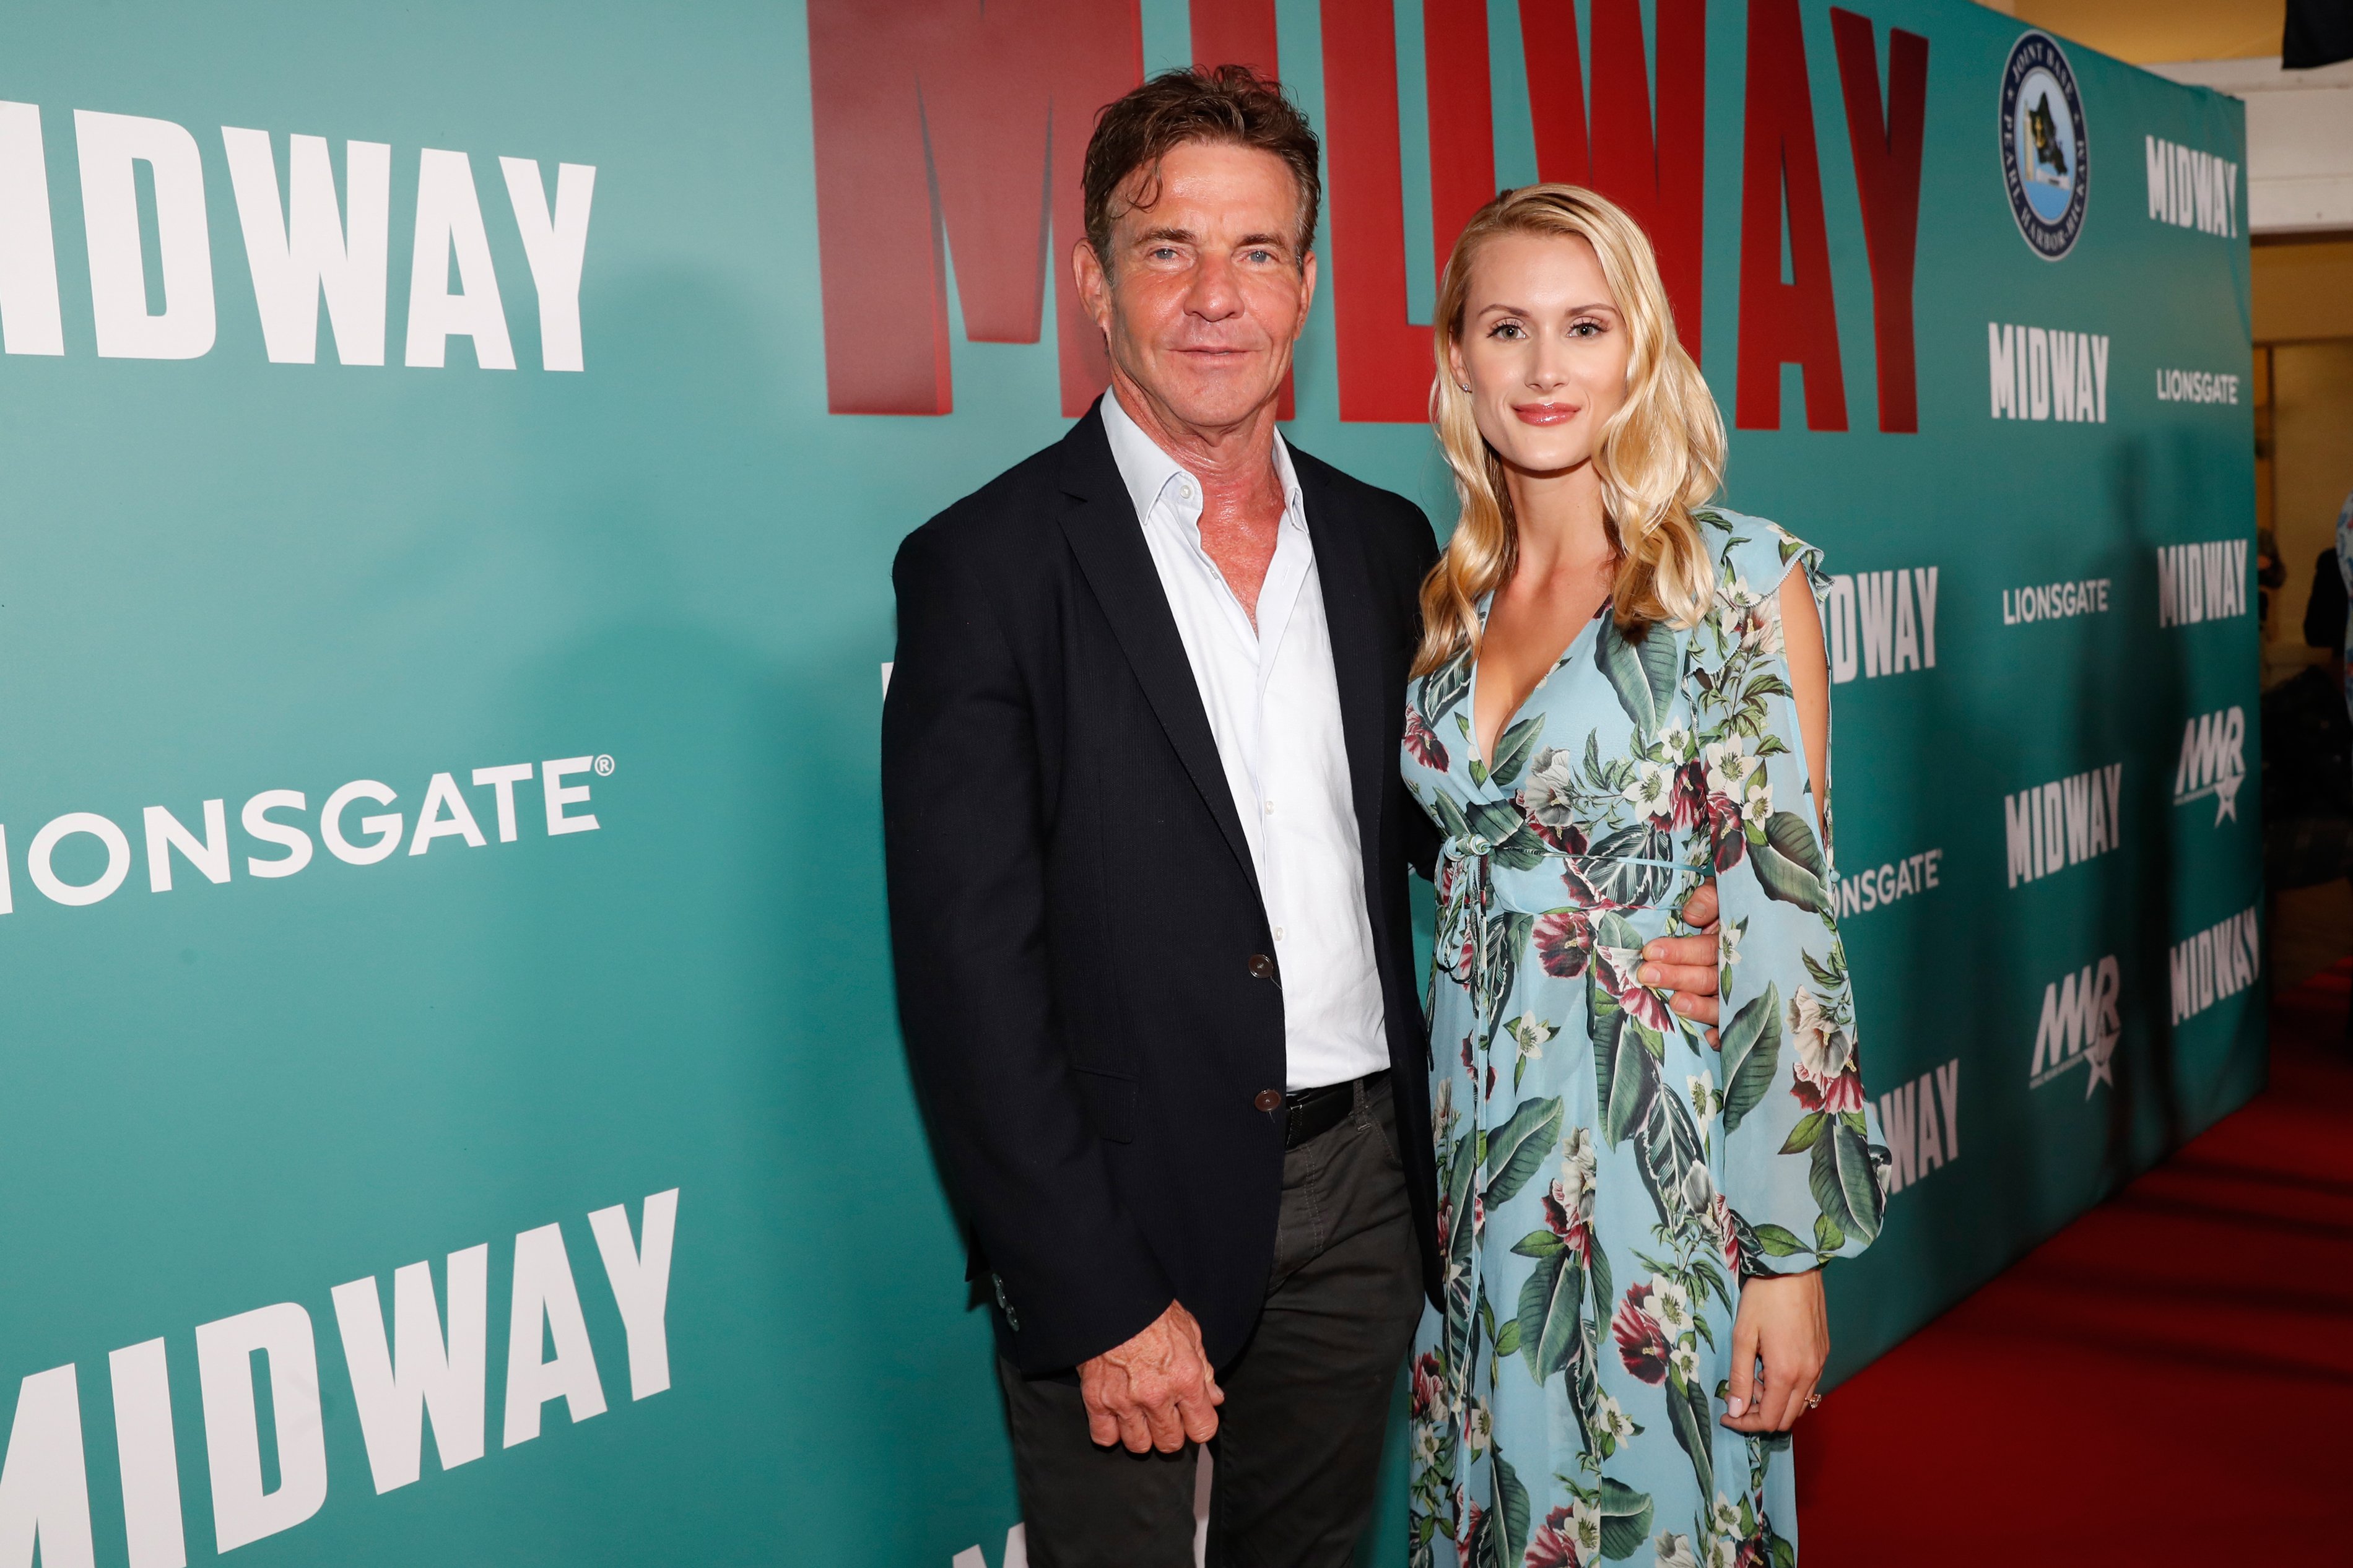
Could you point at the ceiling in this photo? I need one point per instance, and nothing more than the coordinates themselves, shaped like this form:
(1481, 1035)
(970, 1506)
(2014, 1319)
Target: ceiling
(2145, 31)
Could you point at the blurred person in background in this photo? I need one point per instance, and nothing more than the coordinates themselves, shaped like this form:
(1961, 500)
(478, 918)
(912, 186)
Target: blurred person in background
(2323, 613)
(2270, 572)
(2307, 743)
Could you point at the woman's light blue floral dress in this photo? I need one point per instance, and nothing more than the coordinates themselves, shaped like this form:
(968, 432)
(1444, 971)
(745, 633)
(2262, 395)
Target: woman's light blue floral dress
(1606, 1178)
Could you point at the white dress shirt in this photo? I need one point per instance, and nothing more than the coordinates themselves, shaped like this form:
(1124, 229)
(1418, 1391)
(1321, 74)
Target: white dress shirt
(1274, 709)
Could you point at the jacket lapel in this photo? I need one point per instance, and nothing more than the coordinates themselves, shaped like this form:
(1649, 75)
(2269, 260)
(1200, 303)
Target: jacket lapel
(1100, 524)
(1358, 665)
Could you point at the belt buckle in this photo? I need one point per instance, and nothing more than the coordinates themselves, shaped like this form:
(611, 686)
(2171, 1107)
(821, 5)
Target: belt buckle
(1296, 1112)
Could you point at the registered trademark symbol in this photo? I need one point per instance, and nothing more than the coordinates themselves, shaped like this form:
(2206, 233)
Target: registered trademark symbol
(603, 766)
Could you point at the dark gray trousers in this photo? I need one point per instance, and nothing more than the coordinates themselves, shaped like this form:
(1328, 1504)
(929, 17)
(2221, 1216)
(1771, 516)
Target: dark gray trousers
(1297, 1453)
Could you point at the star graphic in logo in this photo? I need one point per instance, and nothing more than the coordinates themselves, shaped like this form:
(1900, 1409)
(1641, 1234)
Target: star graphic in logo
(2100, 1053)
(2226, 797)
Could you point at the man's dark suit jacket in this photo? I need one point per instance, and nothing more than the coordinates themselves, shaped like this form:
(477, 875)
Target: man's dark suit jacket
(1084, 985)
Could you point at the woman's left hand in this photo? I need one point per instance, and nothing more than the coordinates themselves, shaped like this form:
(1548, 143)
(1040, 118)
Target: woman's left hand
(1783, 1320)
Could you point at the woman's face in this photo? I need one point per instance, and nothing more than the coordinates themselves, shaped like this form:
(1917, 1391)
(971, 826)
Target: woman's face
(1544, 350)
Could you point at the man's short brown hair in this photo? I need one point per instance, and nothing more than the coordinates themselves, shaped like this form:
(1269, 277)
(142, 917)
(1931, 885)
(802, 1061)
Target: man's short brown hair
(1231, 104)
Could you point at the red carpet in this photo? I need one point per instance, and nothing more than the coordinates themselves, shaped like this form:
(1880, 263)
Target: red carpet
(2168, 1380)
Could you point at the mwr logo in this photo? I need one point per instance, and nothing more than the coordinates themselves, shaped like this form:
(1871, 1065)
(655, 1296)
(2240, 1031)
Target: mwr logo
(1918, 1141)
(1866, 890)
(56, 860)
(2079, 1024)
(2064, 823)
(2195, 386)
(303, 244)
(2054, 601)
(2220, 962)
(2213, 761)
(2043, 373)
(2046, 158)
(2201, 582)
(2191, 189)
(1895, 613)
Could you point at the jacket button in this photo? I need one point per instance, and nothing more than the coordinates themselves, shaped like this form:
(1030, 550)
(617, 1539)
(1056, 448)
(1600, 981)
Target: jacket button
(1269, 1101)
(1261, 967)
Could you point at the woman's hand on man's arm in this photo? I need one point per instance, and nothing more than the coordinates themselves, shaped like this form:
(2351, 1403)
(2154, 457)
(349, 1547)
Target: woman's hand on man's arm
(1687, 964)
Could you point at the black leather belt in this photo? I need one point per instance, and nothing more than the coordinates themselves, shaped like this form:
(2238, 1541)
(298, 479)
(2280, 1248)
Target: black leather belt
(1311, 1113)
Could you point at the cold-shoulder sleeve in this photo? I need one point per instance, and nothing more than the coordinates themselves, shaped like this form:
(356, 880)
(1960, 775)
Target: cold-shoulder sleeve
(1801, 1159)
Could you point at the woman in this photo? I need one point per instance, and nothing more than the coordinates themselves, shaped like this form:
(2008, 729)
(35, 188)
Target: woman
(1620, 690)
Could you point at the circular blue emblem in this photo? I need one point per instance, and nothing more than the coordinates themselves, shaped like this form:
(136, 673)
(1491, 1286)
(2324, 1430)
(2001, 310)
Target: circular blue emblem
(2046, 157)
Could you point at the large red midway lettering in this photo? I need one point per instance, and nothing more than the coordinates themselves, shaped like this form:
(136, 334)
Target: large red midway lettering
(1797, 321)
(990, 107)
(1887, 176)
(1241, 33)
(1236, 33)
(961, 125)
(1658, 175)
(1385, 363)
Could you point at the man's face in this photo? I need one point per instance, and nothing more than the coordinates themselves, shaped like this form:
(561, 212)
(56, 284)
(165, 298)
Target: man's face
(1207, 290)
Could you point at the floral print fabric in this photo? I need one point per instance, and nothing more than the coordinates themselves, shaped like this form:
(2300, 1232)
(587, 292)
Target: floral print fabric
(1606, 1178)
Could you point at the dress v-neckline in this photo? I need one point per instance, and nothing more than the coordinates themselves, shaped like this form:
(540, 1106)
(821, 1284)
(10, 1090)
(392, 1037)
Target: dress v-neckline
(1477, 752)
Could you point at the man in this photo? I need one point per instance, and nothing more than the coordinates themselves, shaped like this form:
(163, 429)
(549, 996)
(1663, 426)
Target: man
(1148, 843)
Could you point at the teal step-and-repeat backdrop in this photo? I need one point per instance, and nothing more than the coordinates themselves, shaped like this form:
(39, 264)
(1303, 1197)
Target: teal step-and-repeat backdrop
(452, 457)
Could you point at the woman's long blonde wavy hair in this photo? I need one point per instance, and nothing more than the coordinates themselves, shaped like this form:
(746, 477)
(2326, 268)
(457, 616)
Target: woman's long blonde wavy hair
(1660, 454)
